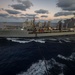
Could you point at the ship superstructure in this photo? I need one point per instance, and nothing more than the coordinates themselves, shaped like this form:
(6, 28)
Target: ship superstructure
(38, 29)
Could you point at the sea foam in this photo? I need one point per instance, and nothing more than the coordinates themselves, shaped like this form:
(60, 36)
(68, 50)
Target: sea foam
(25, 40)
(39, 68)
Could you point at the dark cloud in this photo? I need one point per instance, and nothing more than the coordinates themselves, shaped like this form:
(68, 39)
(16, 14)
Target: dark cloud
(70, 8)
(3, 15)
(45, 16)
(42, 11)
(27, 3)
(30, 15)
(12, 11)
(33, 15)
(19, 7)
(23, 5)
(63, 14)
(66, 4)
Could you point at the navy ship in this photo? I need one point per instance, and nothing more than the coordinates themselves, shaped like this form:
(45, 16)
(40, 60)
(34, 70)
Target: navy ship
(30, 29)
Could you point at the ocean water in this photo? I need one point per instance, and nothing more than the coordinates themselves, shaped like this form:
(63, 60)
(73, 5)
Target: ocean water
(51, 56)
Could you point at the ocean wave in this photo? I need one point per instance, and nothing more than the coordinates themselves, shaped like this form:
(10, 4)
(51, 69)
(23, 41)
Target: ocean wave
(70, 58)
(52, 39)
(62, 40)
(42, 67)
(61, 73)
(25, 40)
(19, 40)
(63, 57)
(35, 69)
(67, 40)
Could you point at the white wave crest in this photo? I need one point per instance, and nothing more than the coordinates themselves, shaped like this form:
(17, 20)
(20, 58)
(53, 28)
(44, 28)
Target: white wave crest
(40, 67)
(37, 40)
(61, 40)
(70, 58)
(26, 41)
(66, 40)
(61, 73)
(62, 57)
(35, 69)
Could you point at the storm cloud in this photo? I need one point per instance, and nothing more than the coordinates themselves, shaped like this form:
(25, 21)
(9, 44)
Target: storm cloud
(42, 11)
(68, 5)
(63, 14)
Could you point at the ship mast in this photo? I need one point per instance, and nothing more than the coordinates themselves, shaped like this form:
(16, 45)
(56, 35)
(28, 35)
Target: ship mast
(34, 22)
(34, 27)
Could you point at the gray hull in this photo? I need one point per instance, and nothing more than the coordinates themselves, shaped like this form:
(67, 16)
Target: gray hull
(24, 33)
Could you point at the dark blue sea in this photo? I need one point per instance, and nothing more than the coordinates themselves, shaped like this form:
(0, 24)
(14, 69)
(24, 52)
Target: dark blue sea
(45, 56)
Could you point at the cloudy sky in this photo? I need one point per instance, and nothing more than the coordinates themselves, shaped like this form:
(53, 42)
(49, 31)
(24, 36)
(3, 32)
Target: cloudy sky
(20, 10)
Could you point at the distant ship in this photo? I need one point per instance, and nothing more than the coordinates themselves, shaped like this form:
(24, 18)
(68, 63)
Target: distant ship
(30, 29)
